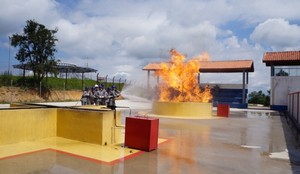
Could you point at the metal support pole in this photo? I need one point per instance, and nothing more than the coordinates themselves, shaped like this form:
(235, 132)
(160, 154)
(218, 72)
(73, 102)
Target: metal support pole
(106, 81)
(244, 91)
(11, 84)
(148, 79)
(272, 70)
(9, 38)
(297, 107)
(293, 102)
(66, 79)
(82, 81)
(40, 89)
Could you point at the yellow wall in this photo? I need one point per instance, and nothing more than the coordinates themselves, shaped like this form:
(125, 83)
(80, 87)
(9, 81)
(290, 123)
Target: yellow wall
(182, 109)
(88, 126)
(82, 125)
(18, 125)
(26, 125)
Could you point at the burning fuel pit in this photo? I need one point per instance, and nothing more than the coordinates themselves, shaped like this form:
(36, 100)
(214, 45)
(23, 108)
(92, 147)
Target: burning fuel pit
(182, 109)
(179, 93)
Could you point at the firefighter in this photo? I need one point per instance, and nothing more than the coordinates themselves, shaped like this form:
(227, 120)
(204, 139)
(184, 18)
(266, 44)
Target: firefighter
(85, 96)
(97, 98)
(115, 91)
(110, 100)
(102, 94)
(92, 95)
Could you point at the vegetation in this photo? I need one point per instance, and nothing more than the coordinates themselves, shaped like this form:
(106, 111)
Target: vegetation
(282, 73)
(52, 83)
(36, 50)
(259, 98)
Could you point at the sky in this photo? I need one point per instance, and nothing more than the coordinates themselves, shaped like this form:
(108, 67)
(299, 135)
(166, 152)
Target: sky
(118, 38)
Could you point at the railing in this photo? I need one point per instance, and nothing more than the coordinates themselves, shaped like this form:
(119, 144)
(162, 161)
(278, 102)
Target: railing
(284, 71)
(293, 110)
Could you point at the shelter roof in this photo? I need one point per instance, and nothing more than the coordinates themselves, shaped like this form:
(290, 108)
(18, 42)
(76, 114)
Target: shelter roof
(61, 67)
(282, 58)
(215, 66)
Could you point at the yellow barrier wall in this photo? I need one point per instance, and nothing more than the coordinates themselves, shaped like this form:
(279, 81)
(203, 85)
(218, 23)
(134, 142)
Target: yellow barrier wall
(87, 126)
(26, 125)
(182, 109)
(19, 125)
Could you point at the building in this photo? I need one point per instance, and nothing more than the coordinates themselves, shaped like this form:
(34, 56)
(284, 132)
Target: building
(285, 76)
(233, 94)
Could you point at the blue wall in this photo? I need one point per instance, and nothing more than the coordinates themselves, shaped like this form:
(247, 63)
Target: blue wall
(233, 97)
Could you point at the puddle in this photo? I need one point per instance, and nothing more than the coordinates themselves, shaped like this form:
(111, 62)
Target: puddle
(259, 114)
(280, 155)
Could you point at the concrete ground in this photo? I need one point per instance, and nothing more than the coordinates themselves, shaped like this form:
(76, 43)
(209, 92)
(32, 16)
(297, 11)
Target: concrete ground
(249, 141)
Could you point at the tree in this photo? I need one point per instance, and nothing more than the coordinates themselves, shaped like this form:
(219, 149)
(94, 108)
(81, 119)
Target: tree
(282, 73)
(36, 49)
(259, 98)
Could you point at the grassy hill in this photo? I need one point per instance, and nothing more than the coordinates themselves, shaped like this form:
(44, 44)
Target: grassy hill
(19, 89)
(51, 83)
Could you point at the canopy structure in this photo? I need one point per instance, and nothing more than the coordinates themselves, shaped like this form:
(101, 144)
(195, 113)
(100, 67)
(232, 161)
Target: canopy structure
(282, 58)
(62, 68)
(282, 86)
(227, 66)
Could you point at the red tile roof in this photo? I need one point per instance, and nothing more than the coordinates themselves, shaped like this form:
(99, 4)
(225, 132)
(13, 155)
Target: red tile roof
(215, 66)
(152, 66)
(227, 66)
(282, 58)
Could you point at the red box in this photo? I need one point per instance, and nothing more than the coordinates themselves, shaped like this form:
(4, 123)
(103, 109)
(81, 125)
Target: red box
(223, 110)
(141, 133)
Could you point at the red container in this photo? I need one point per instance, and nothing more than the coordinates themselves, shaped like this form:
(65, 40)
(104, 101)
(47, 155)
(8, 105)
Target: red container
(141, 133)
(223, 110)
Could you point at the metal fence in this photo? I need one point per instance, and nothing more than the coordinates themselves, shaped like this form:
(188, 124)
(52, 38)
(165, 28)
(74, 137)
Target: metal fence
(293, 110)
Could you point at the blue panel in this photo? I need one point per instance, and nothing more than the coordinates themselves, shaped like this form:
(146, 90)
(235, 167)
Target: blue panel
(226, 99)
(233, 97)
(229, 94)
(232, 90)
(239, 105)
(278, 107)
(232, 105)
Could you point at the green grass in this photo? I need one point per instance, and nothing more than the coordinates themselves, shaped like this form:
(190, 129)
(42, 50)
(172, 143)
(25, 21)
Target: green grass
(51, 83)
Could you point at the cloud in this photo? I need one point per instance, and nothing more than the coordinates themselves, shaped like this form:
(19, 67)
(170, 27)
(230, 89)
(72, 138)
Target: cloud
(14, 14)
(118, 38)
(279, 34)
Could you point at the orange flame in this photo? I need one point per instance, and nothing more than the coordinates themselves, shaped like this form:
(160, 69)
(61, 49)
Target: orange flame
(180, 82)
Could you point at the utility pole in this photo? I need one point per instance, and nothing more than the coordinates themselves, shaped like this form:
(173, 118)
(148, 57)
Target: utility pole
(9, 38)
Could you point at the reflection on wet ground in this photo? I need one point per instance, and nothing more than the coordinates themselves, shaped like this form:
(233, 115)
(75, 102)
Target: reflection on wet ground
(249, 141)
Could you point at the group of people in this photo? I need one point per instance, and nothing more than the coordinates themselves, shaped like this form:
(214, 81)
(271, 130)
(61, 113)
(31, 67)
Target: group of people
(98, 95)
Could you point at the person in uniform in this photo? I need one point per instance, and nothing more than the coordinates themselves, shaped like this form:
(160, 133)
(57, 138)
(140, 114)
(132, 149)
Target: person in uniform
(97, 95)
(85, 96)
(92, 95)
(102, 94)
(116, 93)
(110, 100)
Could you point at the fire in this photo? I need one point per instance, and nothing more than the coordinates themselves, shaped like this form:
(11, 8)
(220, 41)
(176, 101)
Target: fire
(180, 83)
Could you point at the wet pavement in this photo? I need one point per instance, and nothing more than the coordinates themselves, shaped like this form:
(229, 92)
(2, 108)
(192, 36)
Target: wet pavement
(249, 141)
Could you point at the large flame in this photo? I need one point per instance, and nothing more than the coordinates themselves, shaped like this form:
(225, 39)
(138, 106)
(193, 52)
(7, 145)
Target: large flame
(180, 83)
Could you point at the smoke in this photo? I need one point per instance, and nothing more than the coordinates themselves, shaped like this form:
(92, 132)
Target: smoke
(138, 93)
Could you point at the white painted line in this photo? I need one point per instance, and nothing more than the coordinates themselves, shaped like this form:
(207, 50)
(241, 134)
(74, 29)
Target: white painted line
(251, 147)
